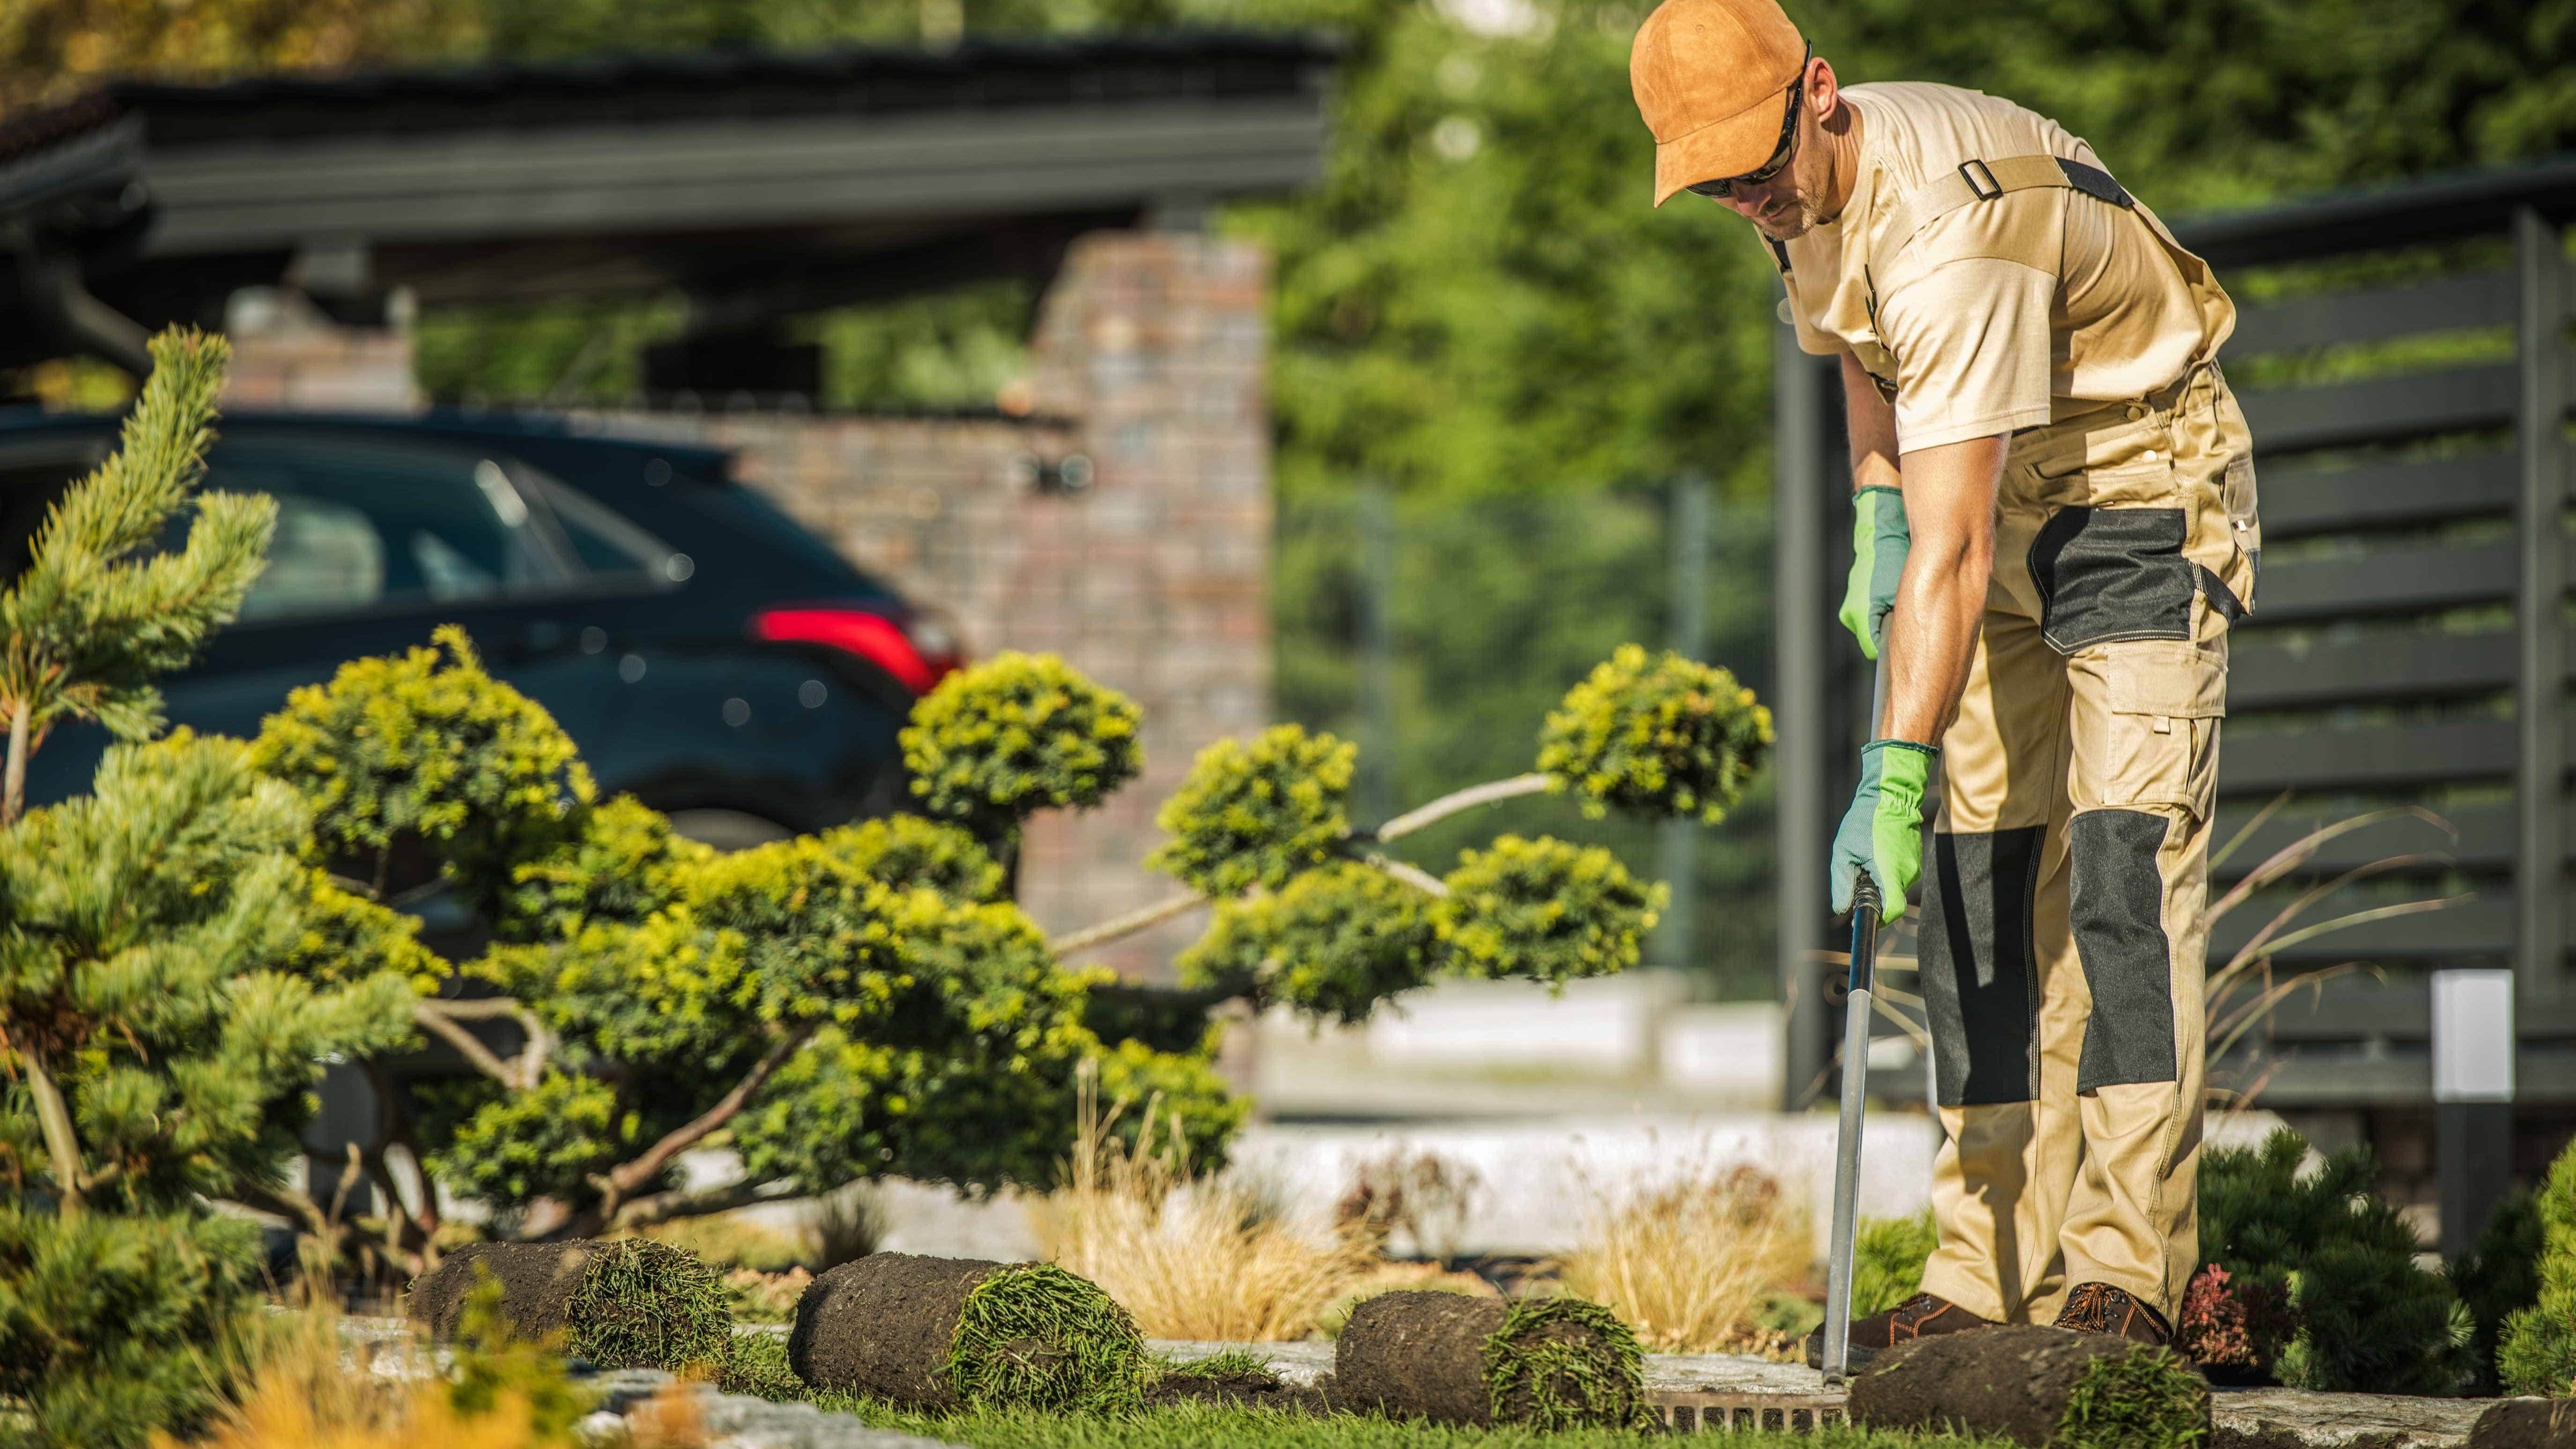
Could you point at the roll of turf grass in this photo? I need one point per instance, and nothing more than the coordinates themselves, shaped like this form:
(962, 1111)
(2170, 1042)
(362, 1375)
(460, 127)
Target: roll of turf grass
(1552, 1363)
(619, 1303)
(2037, 1386)
(940, 1334)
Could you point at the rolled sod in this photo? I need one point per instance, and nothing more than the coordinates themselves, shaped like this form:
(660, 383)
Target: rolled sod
(940, 1334)
(620, 1303)
(2526, 1424)
(2038, 1387)
(1451, 1359)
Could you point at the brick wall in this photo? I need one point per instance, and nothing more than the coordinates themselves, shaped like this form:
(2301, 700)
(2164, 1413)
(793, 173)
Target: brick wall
(1149, 354)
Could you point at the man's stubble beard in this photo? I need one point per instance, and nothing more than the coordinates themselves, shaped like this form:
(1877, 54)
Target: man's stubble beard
(1800, 219)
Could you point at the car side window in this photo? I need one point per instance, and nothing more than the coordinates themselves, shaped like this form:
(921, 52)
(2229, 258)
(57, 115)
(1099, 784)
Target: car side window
(364, 524)
(611, 548)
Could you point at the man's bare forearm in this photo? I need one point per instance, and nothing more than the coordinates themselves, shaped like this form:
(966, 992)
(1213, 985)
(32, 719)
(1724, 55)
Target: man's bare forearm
(1869, 426)
(1941, 601)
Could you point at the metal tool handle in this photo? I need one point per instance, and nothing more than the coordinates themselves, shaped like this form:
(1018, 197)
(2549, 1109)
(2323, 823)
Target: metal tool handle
(1856, 1009)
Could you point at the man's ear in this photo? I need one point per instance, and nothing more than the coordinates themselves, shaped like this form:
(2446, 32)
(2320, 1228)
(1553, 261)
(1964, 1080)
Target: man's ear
(1823, 91)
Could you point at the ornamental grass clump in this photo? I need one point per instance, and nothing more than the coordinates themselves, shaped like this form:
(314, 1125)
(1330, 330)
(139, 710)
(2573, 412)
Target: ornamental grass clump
(1661, 734)
(1693, 1263)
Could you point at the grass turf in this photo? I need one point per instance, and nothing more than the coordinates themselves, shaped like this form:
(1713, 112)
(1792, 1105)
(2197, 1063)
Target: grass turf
(1199, 1426)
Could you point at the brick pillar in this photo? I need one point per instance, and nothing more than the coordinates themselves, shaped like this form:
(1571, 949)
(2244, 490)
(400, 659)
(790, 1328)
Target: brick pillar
(1155, 581)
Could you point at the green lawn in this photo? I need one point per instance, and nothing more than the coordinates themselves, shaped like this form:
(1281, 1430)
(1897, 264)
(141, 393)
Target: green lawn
(1203, 1427)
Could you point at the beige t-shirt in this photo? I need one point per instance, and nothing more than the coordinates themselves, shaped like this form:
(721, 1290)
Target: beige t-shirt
(1984, 344)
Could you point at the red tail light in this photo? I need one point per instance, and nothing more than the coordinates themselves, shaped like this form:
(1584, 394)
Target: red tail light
(872, 637)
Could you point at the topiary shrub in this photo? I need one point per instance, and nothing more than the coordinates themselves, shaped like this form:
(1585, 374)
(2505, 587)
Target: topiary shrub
(1331, 944)
(2363, 1316)
(2536, 1353)
(1544, 910)
(907, 852)
(1016, 734)
(1660, 734)
(1257, 814)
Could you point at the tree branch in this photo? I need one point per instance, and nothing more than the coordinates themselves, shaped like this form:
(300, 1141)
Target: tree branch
(1117, 927)
(13, 796)
(439, 1025)
(1461, 800)
(62, 1145)
(1405, 871)
(625, 1179)
(661, 1207)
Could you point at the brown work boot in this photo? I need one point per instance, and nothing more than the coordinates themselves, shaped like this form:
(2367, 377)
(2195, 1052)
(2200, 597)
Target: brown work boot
(2101, 1308)
(1920, 1316)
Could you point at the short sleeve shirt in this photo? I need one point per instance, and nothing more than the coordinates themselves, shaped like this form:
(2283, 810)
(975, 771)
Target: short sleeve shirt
(1983, 341)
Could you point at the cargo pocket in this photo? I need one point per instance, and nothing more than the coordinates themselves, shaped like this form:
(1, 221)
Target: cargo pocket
(2108, 574)
(2159, 741)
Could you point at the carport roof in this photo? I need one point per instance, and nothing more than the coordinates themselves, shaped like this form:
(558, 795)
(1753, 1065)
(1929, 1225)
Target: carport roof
(759, 183)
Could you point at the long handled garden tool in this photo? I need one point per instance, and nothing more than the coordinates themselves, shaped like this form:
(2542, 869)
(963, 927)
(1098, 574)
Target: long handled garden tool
(1856, 1009)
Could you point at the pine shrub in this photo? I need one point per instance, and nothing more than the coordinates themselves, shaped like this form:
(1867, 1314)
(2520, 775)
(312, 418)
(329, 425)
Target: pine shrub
(1888, 1255)
(1257, 813)
(1332, 943)
(2363, 1316)
(2537, 1352)
(2498, 1277)
(1016, 734)
(1656, 734)
(1544, 910)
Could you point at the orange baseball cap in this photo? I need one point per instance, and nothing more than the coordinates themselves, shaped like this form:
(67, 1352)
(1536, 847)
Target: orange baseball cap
(1712, 80)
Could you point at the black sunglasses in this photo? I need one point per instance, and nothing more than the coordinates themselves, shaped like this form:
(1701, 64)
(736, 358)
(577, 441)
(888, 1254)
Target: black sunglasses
(1720, 189)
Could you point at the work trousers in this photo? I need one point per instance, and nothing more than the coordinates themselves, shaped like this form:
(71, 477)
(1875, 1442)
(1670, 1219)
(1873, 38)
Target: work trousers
(2064, 928)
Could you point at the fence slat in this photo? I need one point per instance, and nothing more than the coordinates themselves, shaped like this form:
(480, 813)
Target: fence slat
(2366, 759)
(2476, 299)
(2304, 502)
(2383, 409)
(2406, 667)
(2385, 582)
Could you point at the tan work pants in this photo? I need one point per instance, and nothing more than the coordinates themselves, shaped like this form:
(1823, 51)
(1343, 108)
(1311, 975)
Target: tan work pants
(2064, 929)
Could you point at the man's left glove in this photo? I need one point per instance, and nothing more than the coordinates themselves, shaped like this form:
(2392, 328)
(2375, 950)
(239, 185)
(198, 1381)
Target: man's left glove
(1882, 832)
(1879, 541)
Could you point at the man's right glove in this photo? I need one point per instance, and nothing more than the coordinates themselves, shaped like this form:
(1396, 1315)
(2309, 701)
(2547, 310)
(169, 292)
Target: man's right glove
(1882, 832)
(1879, 541)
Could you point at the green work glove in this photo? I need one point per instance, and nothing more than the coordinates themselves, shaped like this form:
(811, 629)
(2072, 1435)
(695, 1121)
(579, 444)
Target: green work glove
(1882, 832)
(1879, 541)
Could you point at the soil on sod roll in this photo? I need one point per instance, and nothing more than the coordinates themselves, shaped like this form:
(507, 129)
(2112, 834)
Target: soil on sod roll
(537, 1282)
(939, 1334)
(2526, 1424)
(2037, 1386)
(623, 1303)
(1451, 1359)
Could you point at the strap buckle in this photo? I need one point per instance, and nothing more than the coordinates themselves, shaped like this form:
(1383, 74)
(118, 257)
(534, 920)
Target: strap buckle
(1981, 193)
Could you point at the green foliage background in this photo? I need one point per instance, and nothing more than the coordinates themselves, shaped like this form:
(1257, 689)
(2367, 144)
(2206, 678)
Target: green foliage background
(1476, 307)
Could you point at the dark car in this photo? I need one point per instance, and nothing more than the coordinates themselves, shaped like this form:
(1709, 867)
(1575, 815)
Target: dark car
(704, 651)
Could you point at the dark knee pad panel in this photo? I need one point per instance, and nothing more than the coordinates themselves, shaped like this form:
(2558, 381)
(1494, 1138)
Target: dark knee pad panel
(2116, 908)
(1980, 971)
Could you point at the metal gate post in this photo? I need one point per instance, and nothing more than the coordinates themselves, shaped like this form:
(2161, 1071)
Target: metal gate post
(2540, 696)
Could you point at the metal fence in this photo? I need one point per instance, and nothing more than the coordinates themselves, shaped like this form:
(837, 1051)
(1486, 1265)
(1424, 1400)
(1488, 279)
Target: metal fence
(2402, 360)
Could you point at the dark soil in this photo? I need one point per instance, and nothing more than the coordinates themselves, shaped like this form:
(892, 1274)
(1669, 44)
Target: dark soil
(2526, 1424)
(1418, 1356)
(883, 1325)
(2010, 1382)
(537, 1281)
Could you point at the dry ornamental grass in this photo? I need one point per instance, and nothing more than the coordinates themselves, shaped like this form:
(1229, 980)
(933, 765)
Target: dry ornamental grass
(1193, 1258)
(1690, 1263)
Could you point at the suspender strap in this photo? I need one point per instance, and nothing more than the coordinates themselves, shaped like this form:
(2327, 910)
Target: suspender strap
(1977, 181)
